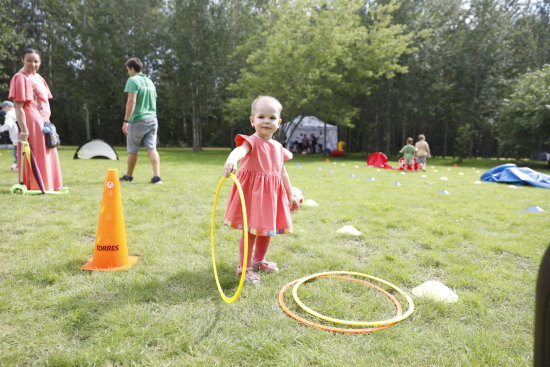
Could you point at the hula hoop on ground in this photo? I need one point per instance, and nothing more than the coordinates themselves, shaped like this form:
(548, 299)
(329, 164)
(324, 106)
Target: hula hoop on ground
(245, 224)
(282, 304)
(352, 322)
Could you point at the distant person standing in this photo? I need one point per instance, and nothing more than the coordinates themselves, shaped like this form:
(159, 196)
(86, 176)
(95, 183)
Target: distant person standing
(305, 143)
(422, 152)
(408, 154)
(140, 124)
(313, 144)
(320, 142)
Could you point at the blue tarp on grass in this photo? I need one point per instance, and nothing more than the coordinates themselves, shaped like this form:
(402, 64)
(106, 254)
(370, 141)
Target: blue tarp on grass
(511, 174)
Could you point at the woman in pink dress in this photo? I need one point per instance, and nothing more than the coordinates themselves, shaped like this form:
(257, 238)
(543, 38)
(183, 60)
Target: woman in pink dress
(30, 95)
(266, 188)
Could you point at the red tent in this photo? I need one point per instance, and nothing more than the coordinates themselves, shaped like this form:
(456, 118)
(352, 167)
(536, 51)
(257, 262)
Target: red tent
(380, 160)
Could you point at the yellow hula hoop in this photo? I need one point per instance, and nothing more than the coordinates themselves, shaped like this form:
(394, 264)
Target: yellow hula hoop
(348, 322)
(245, 224)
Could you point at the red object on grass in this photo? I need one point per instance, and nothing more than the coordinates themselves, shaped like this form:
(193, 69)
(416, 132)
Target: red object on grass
(379, 160)
(337, 153)
(401, 160)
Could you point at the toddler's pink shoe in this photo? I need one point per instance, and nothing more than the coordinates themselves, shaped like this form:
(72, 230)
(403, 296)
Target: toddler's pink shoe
(265, 266)
(250, 277)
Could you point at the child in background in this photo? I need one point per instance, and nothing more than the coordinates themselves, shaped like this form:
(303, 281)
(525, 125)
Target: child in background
(11, 126)
(408, 154)
(422, 152)
(266, 187)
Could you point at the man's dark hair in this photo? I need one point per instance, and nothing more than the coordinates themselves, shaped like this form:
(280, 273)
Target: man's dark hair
(134, 63)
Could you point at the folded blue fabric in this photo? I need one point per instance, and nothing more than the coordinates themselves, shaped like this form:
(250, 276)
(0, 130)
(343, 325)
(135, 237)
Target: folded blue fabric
(511, 174)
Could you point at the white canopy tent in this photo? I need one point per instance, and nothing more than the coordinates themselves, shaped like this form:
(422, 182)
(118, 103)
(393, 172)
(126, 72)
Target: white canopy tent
(312, 125)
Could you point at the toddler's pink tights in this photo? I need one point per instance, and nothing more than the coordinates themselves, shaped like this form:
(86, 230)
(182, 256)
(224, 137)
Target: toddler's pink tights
(259, 244)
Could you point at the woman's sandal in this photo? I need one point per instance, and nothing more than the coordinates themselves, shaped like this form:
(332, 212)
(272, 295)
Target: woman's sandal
(250, 277)
(265, 266)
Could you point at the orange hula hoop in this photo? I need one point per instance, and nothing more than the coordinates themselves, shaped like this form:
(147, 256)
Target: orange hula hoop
(399, 309)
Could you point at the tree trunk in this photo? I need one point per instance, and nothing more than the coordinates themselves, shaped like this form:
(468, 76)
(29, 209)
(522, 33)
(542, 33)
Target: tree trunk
(285, 129)
(87, 121)
(388, 119)
(471, 147)
(196, 120)
(50, 64)
(183, 131)
(325, 139)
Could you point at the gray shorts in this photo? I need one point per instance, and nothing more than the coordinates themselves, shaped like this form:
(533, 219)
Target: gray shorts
(421, 159)
(142, 131)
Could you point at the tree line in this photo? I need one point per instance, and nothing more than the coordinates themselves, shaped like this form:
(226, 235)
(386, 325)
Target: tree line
(470, 75)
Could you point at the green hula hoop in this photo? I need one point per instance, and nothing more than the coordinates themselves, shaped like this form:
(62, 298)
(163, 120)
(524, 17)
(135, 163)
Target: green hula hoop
(352, 322)
(245, 224)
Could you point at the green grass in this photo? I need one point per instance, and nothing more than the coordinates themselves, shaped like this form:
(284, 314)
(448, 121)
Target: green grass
(166, 310)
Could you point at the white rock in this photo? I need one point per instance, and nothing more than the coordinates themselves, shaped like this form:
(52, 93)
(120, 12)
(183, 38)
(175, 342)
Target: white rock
(513, 186)
(477, 182)
(349, 230)
(435, 290)
(309, 202)
(444, 178)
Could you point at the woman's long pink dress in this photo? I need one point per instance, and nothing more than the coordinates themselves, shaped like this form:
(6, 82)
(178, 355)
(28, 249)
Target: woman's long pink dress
(267, 206)
(46, 158)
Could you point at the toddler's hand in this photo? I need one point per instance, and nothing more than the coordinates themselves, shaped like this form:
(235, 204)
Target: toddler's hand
(294, 205)
(229, 167)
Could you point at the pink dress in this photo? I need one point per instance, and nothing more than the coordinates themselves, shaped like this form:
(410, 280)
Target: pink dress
(46, 158)
(267, 206)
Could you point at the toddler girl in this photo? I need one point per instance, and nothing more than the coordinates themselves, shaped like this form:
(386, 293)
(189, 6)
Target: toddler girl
(266, 187)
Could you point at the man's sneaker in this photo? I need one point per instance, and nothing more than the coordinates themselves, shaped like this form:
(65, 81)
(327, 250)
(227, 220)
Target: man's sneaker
(156, 180)
(126, 178)
(13, 167)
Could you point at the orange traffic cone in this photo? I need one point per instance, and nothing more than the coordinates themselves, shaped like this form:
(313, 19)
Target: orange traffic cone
(456, 165)
(327, 160)
(111, 249)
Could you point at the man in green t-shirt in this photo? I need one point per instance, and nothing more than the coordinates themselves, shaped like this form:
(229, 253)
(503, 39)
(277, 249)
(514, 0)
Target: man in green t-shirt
(140, 121)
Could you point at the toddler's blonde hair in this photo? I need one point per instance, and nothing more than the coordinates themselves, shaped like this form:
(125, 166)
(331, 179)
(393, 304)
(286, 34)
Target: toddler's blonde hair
(273, 99)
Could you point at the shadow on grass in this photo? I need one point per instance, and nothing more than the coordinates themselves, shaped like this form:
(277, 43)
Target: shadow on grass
(85, 312)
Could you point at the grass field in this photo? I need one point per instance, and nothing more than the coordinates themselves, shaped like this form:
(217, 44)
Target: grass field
(166, 310)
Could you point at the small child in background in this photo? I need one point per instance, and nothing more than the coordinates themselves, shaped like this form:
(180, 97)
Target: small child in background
(11, 126)
(408, 154)
(422, 152)
(266, 188)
